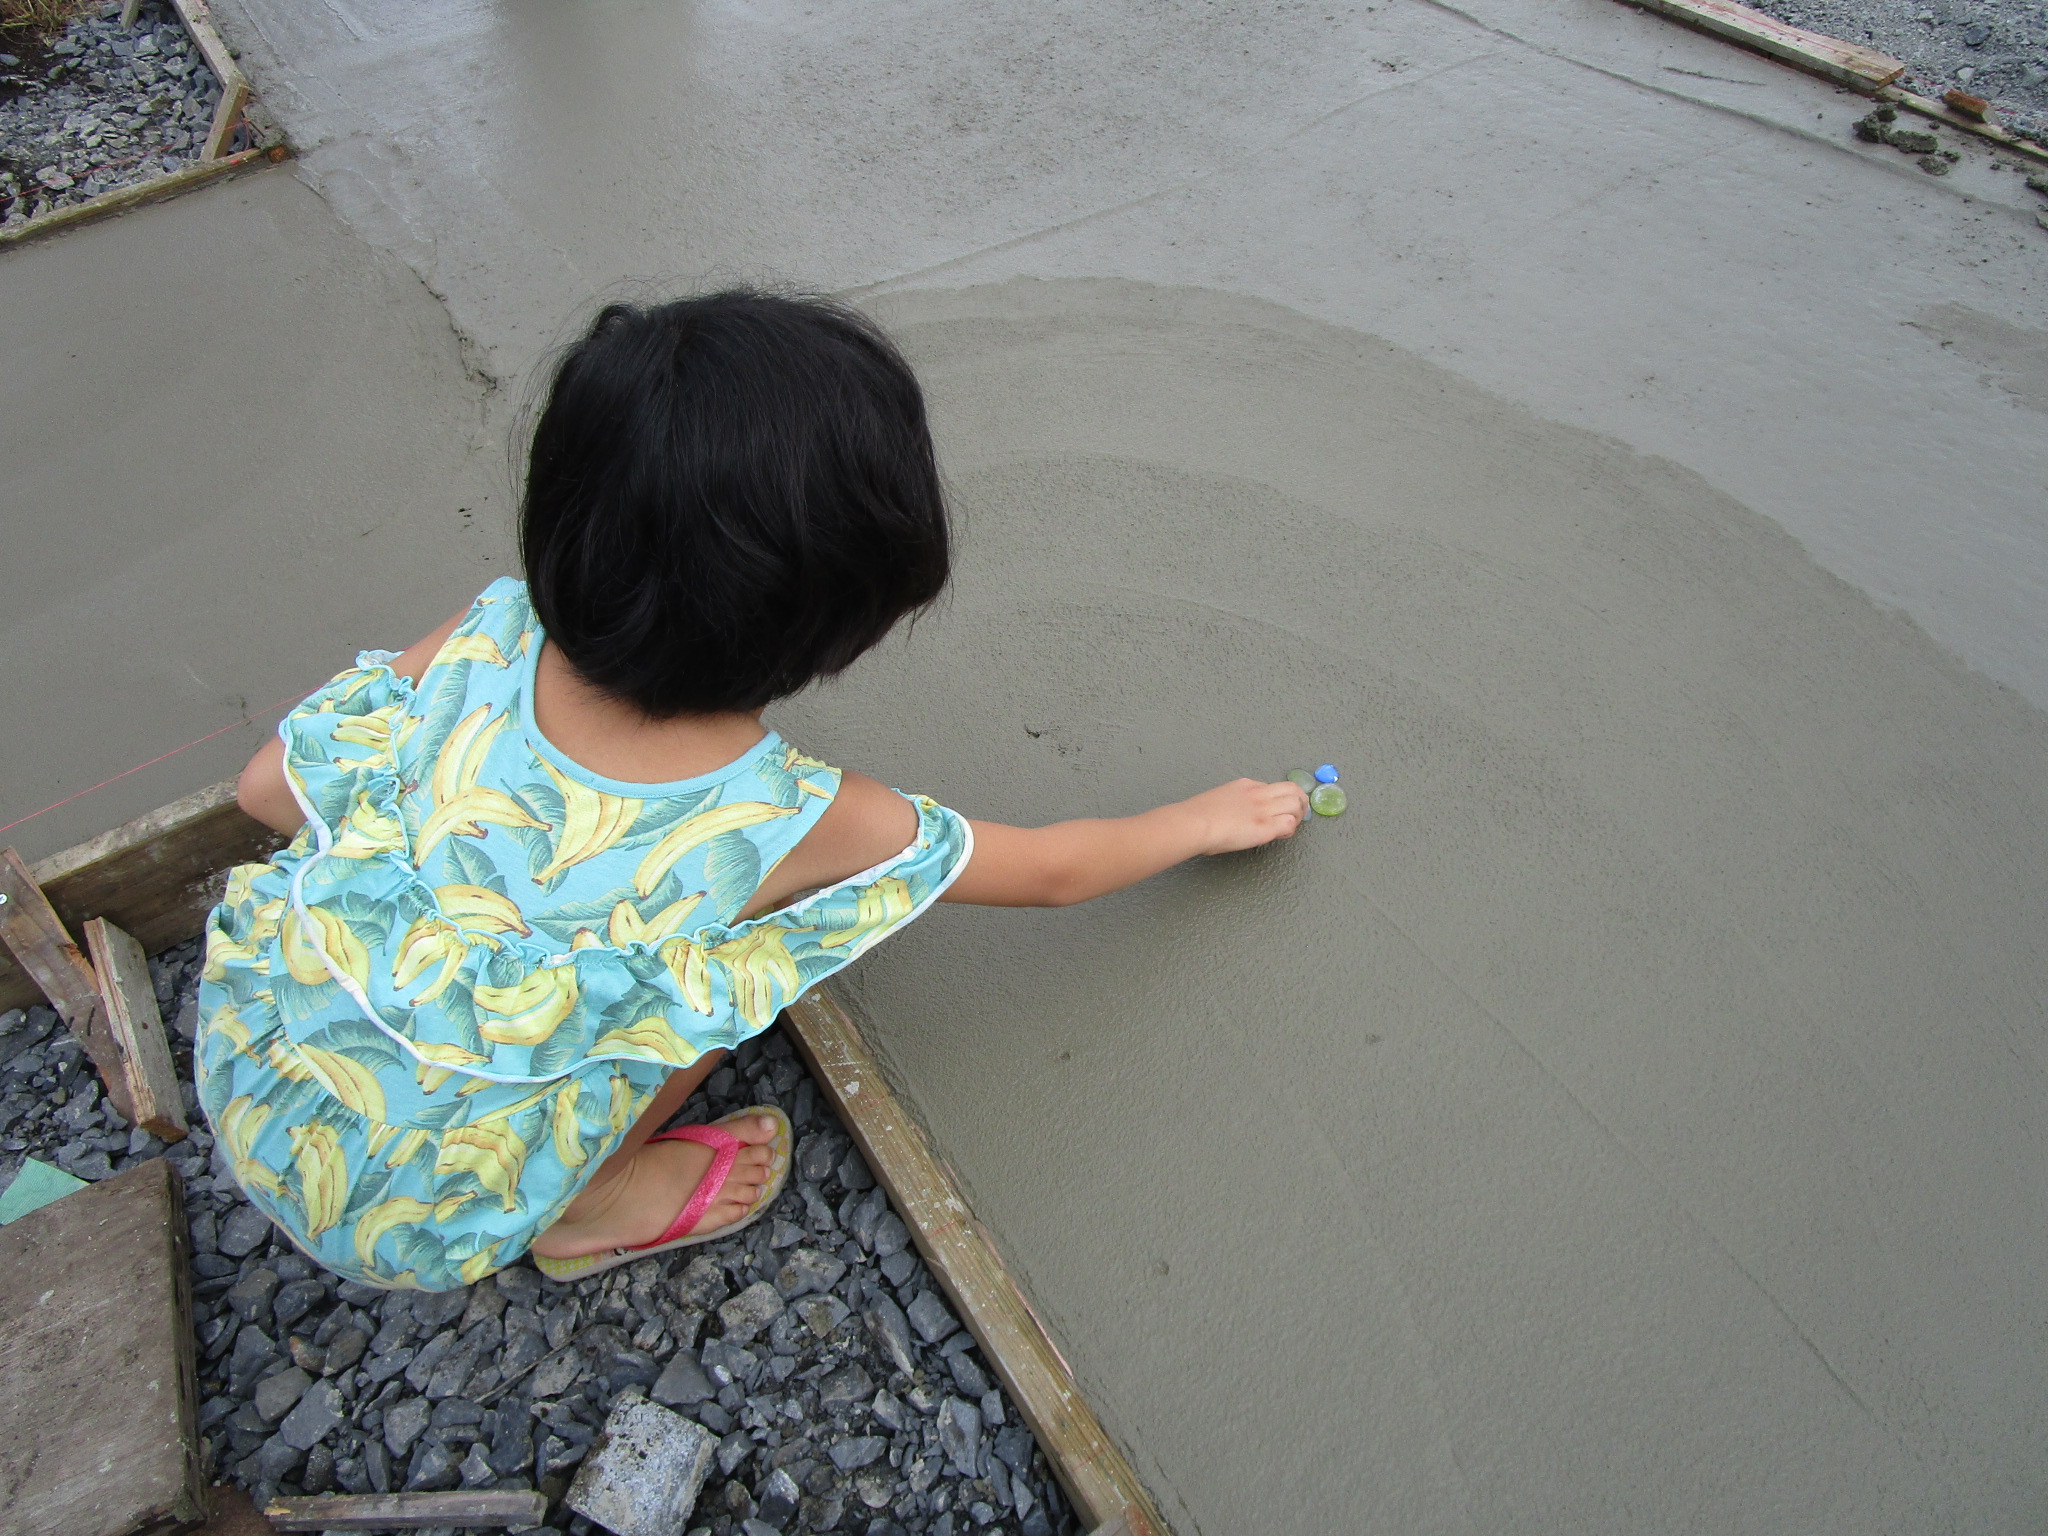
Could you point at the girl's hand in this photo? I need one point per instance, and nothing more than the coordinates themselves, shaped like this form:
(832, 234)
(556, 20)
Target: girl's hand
(1246, 814)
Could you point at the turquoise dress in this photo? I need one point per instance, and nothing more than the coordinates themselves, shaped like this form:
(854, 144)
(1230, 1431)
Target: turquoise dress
(427, 1021)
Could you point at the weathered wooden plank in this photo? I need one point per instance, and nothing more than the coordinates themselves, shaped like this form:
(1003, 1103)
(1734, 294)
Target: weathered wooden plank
(41, 945)
(155, 190)
(1850, 64)
(156, 876)
(128, 1001)
(97, 1378)
(389, 1511)
(1098, 1479)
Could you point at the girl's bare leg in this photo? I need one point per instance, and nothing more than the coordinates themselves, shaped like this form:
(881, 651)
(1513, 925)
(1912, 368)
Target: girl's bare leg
(637, 1191)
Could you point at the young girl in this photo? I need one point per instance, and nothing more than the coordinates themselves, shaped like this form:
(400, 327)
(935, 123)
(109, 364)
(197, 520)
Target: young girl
(548, 864)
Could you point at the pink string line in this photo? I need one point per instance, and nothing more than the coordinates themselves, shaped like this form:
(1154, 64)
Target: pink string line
(103, 783)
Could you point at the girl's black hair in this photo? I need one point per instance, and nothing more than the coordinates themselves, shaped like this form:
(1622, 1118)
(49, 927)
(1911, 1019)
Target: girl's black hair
(729, 497)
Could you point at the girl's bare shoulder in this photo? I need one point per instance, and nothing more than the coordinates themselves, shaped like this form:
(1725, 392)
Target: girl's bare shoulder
(866, 824)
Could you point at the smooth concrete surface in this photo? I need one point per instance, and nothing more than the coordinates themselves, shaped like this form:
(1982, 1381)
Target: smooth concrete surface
(1628, 1117)
(1622, 224)
(240, 446)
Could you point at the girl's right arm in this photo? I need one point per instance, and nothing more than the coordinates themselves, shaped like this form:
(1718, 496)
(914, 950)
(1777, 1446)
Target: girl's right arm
(1052, 866)
(1073, 861)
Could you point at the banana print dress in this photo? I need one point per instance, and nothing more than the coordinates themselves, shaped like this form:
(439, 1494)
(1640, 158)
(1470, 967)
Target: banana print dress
(427, 1021)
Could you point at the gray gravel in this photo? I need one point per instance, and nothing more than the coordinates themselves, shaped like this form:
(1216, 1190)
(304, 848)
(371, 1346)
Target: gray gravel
(1997, 49)
(98, 108)
(845, 1394)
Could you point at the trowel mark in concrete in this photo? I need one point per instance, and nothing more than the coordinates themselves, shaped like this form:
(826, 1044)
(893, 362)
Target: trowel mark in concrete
(1644, 1084)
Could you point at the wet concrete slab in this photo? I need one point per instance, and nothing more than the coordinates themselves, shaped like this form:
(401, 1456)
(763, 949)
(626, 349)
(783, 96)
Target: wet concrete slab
(1626, 1115)
(1624, 1118)
(240, 445)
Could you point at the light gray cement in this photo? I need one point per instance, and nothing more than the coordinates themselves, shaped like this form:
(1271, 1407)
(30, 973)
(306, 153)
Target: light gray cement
(1622, 224)
(1626, 1119)
(239, 445)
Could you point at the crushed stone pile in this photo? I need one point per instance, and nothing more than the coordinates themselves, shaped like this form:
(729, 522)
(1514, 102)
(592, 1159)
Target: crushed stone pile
(99, 108)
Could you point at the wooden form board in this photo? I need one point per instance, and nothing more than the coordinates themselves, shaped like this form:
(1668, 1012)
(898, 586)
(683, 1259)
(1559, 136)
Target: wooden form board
(128, 1003)
(1863, 69)
(234, 85)
(37, 940)
(98, 1388)
(1098, 1478)
(156, 876)
(399, 1511)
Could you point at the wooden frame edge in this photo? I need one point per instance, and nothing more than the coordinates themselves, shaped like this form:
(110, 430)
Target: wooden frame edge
(1859, 68)
(154, 876)
(1098, 1479)
(155, 190)
(197, 16)
(1849, 64)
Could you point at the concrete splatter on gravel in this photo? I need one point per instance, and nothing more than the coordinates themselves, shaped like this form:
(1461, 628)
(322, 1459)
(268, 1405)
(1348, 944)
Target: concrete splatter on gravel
(843, 1393)
(1989, 49)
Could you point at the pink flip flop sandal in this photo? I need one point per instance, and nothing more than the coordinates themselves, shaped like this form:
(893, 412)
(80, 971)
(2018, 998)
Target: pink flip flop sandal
(725, 1148)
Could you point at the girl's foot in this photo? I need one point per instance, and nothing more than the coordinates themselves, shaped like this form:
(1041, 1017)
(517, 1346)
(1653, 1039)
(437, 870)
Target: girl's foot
(635, 1204)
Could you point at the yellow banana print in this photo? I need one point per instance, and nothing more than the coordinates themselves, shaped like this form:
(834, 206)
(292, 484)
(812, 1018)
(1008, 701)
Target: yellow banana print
(462, 807)
(335, 936)
(586, 938)
(685, 962)
(399, 1211)
(507, 1111)
(406, 1148)
(627, 926)
(650, 1036)
(370, 729)
(323, 1175)
(474, 906)
(620, 1113)
(427, 941)
(241, 884)
(228, 1025)
(480, 1263)
(347, 1079)
(240, 1124)
(695, 832)
(445, 1059)
(591, 822)
(533, 1009)
(477, 647)
(223, 953)
(286, 1062)
(448, 1205)
(756, 962)
(493, 1152)
(568, 1129)
(888, 901)
(457, 766)
(367, 832)
(378, 1138)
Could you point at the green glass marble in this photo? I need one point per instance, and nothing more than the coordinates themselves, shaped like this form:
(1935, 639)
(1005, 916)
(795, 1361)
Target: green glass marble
(1326, 800)
(1304, 778)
